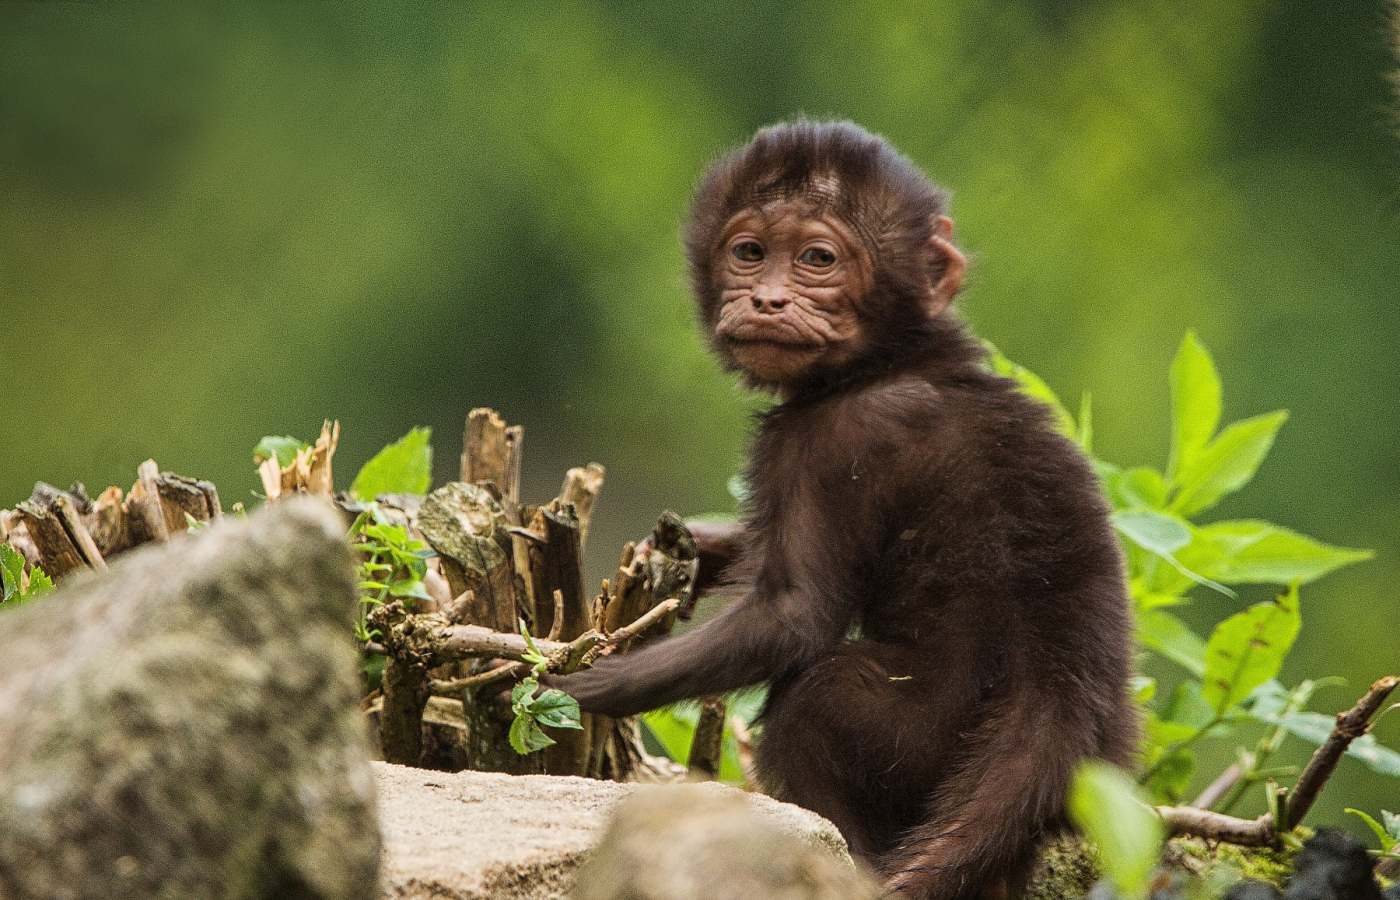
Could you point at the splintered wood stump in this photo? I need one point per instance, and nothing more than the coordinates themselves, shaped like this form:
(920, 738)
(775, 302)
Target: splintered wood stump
(556, 564)
(181, 497)
(64, 531)
(581, 487)
(556, 570)
(467, 528)
(504, 561)
(707, 746)
(668, 569)
(58, 550)
(491, 451)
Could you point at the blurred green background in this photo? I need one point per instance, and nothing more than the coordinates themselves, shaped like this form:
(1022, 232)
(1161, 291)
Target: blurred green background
(220, 222)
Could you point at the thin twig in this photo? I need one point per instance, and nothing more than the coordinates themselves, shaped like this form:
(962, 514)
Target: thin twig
(1351, 725)
(1217, 789)
(457, 686)
(642, 623)
(461, 641)
(1263, 831)
(1216, 826)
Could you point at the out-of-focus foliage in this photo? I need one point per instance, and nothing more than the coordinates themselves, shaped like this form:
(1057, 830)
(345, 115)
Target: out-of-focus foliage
(224, 221)
(17, 585)
(403, 467)
(1230, 680)
(1105, 806)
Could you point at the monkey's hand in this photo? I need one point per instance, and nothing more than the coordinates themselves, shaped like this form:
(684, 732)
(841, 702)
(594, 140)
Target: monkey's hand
(718, 545)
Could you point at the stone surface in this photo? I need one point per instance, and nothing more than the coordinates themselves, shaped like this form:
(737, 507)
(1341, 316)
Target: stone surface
(186, 726)
(476, 835)
(691, 843)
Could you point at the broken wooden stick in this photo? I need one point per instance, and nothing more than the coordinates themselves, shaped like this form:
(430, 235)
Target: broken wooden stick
(1351, 725)
(1264, 831)
(707, 746)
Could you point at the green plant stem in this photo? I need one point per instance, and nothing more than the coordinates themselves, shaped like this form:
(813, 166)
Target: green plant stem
(1179, 745)
(1253, 774)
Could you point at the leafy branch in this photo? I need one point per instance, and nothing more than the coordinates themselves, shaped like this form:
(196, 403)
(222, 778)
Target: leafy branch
(552, 707)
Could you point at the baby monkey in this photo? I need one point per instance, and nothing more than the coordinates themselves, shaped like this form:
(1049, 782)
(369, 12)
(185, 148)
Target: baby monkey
(930, 582)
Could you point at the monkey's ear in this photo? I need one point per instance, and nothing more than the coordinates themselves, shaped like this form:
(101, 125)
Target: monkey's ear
(950, 282)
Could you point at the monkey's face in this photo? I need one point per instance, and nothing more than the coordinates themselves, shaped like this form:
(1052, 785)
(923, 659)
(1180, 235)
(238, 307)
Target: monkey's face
(790, 280)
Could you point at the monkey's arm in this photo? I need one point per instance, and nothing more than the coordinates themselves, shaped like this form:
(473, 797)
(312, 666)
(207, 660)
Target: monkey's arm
(753, 639)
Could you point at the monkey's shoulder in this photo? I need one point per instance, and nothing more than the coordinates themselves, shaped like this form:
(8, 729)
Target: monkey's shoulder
(975, 406)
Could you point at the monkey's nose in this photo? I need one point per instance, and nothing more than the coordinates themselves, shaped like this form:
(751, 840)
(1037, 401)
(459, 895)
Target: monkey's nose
(769, 304)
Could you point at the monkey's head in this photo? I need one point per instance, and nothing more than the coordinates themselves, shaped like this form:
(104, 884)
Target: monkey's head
(815, 246)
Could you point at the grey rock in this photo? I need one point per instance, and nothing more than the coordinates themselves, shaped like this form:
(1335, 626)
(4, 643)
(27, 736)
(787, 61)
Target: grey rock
(186, 726)
(690, 842)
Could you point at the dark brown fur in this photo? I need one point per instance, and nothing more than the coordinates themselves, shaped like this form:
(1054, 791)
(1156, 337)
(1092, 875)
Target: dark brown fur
(910, 494)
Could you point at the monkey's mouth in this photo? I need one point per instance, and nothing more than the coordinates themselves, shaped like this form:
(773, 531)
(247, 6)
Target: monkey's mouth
(773, 345)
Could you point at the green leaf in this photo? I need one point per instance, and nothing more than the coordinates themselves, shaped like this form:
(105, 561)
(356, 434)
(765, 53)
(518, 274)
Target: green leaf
(1171, 777)
(1226, 464)
(526, 736)
(1164, 633)
(521, 693)
(12, 576)
(1164, 534)
(1195, 393)
(1162, 733)
(1187, 707)
(1385, 837)
(403, 467)
(1248, 648)
(674, 733)
(1144, 600)
(1143, 688)
(1253, 552)
(11, 571)
(409, 587)
(39, 583)
(1392, 824)
(285, 449)
(1034, 387)
(372, 666)
(1153, 531)
(556, 709)
(1104, 804)
(1139, 488)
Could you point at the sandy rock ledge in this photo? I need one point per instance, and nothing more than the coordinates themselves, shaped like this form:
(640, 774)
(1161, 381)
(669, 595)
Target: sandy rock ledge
(475, 835)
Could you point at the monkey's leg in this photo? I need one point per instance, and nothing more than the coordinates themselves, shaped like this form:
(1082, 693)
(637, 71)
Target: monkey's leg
(851, 740)
(987, 817)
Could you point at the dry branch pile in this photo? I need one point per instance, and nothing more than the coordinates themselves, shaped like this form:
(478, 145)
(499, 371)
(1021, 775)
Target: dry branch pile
(66, 531)
(450, 661)
(504, 562)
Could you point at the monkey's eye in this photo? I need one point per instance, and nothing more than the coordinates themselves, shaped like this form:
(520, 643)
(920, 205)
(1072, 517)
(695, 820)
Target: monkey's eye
(747, 251)
(817, 256)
